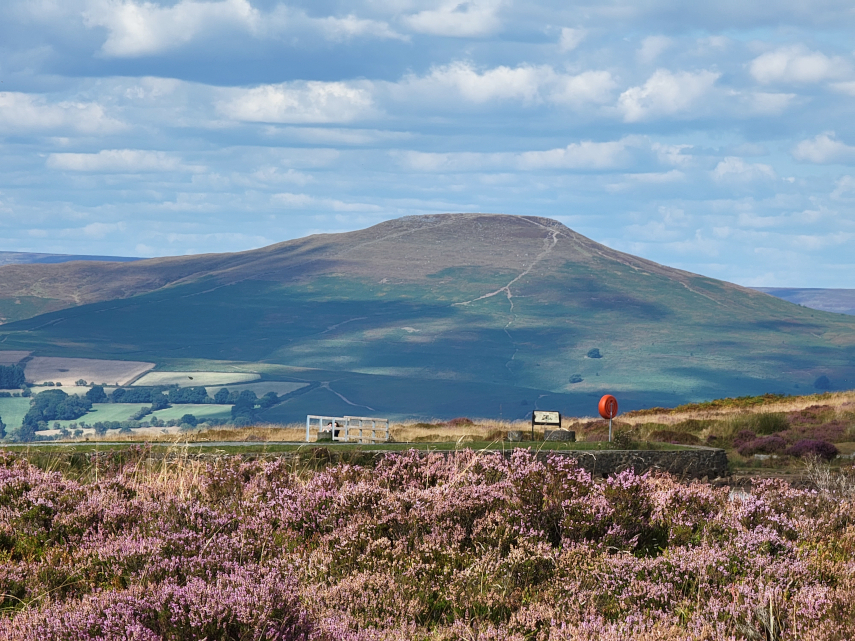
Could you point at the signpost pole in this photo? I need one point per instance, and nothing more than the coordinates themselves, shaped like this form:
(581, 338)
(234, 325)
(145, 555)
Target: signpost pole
(610, 430)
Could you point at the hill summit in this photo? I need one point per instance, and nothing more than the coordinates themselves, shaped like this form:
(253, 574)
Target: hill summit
(435, 315)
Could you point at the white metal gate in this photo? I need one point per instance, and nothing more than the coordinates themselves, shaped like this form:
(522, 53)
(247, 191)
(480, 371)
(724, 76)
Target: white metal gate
(349, 429)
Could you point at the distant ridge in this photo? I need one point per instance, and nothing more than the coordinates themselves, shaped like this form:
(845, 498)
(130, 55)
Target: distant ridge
(841, 301)
(29, 258)
(438, 316)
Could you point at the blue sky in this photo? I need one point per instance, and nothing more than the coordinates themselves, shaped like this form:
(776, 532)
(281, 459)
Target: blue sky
(714, 137)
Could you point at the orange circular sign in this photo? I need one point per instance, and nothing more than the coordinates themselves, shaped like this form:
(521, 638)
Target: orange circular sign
(608, 406)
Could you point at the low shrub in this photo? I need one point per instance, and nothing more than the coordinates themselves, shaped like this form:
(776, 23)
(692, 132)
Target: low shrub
(833, 432)
(810, 415)
(673, 436)
(460, 421)
(624, 440)
(742, 437)
(769, 423)
(764, 445)
(810, 447)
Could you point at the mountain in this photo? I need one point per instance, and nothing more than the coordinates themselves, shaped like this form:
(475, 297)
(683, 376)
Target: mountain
(439, 315)
(16, 258)
(840, 301)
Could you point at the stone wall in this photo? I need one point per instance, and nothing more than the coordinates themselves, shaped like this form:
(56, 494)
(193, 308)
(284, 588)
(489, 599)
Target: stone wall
(695, 463)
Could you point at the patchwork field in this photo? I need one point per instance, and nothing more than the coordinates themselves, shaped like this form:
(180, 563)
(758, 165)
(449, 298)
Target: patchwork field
(67, 371)
(260, 389)
(105, 412)
(13, 410)
(11, 357)
(192, 379)
(201, 412)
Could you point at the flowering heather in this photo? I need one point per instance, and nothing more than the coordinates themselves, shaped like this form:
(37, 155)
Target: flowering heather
(470, 546)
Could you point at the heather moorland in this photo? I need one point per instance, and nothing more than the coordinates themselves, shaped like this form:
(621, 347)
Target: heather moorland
(124, 545)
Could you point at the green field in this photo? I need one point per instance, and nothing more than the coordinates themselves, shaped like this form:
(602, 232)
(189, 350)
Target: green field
(201, 412)
(102, 412)
(13, 410)
(194, 378)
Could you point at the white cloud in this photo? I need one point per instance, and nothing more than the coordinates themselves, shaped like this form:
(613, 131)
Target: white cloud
(672, 154)
(351, 26)
(98, 230)
(570, 38)
(458, 19)
(734, 169)
(299, 102)
(581, 155)
(652, 47)
(116, 161)
(26, 112)
(795, 64)
(587, 87)
(139, 29)
(629, 181)
(844, 188)
(526, 83)
(584, 155)
(665, 93)
(305, 201)
(823, 149)
(847, 87)
(521, 83)
(771, 104)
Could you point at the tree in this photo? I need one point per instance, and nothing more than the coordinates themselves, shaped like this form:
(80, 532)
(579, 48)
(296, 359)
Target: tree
(96, 394)
(11, 376)
(54, 405)
(222, 396)
(2, 428)
(27, 433)
(594, 353)
(243, 411)
(822, 383)
(268, 400)
(189, 419)
(184, 395)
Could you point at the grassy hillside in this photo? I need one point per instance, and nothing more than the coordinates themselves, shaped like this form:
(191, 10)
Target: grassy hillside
(448, 315)
(841, 301)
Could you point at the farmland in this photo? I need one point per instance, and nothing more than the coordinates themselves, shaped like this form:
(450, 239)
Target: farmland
(185, 379)
(12, 411)
(10, 357)
(201, 412)
(260, 389)
(472, 546)
(69, 370)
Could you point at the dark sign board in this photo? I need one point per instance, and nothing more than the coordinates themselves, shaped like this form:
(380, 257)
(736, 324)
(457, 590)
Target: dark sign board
(546, 419)
(543, 417)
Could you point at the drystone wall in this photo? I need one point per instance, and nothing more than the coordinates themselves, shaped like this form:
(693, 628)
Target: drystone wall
(695, 463)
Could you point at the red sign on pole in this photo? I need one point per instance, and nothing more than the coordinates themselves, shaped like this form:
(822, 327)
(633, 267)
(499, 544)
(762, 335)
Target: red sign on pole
(608, 406)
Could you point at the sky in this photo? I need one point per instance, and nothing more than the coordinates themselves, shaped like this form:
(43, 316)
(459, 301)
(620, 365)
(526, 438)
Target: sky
(717, 137)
